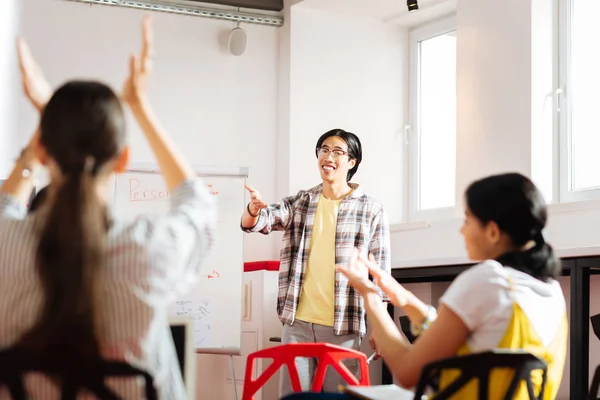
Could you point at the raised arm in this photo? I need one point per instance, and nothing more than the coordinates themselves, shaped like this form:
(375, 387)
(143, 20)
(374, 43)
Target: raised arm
(252, 210)
(175, 168)
(20, 181)
(19, 184)
(443, 339)
(34, 83)
(263, 218)
(406, 361)
(414, 308)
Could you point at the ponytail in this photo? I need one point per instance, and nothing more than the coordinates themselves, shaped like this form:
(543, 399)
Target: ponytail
(69, 257)
(538, 261)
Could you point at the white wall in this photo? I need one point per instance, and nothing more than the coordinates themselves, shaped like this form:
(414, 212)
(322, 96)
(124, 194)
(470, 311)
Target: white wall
(493, 89)
(220, 109)
(350, 73)
(493, 112)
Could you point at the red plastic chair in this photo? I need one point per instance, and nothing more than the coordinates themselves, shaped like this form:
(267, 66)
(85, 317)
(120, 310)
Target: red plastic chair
(325, 353)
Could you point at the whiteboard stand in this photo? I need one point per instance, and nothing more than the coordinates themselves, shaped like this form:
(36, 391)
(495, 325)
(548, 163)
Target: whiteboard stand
(235, 394)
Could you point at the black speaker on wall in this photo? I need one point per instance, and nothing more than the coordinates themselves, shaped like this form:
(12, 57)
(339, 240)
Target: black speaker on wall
(413, 5)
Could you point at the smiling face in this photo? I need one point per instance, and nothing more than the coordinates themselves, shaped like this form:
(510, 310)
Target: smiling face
(333, 160)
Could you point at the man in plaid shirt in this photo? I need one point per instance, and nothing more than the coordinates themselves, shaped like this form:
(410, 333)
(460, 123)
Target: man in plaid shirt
(322, 227)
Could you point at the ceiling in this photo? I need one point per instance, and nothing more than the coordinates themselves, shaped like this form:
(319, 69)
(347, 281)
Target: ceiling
(271, 5)
(392, 11)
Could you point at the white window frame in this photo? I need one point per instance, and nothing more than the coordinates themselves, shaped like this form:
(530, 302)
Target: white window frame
(423, 32)
(565, 176)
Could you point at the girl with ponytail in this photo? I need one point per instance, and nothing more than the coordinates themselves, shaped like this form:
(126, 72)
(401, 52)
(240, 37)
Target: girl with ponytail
(510, 299)
(74, 280)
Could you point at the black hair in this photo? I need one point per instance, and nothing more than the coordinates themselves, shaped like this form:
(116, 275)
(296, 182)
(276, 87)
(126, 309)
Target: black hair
(354, 147)
(38, 199)
(515, 204)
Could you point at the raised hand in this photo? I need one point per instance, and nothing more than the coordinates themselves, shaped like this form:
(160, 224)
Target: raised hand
(35, 85)
(357, 272)
(398, 295)
(140, 67)
(256, 203)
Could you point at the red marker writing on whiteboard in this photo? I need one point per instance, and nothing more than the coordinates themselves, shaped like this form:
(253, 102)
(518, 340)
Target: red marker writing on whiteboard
(212, 275)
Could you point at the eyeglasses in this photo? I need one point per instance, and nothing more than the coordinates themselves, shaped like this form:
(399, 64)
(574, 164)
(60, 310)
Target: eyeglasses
(323, 152)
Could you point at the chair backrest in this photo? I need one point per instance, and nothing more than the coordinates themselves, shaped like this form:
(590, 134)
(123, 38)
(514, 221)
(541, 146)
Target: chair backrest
(72, 374)
(327, 354)
(405, 327)
(595, 320)
(595, 385)
(479, 366)
(182, 332)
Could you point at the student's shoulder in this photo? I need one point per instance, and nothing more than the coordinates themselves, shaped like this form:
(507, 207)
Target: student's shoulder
(485, 272)
(477, 291)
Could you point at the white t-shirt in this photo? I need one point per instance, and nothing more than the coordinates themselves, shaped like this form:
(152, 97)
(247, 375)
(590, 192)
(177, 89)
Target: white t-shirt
(481, 297)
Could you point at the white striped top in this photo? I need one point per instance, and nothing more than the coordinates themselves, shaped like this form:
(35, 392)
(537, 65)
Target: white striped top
(150, 261)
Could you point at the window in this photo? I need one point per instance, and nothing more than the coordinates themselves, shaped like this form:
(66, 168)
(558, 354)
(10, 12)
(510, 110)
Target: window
(579, 118)
(432, 138)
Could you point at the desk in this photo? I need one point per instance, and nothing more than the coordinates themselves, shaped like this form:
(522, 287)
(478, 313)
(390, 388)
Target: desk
(578, 263)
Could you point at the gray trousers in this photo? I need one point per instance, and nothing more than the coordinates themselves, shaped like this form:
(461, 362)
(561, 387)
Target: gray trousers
(307, 332)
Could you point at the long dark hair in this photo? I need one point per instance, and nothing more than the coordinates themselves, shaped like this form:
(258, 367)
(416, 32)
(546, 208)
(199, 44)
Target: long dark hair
(38, 199)
(82, 129)
(354, 147)
(514, 203)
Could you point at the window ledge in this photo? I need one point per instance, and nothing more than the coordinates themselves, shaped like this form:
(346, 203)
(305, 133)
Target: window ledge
(423, 224)
(410, 226)
(574, 206)
(555, 208)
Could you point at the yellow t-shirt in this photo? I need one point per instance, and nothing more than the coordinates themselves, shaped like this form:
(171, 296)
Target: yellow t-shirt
(317, 298)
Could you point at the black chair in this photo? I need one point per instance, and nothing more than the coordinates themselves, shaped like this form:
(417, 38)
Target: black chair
(595, 320)
(479, 366)
(595, 385)
(72, 374)
(405, 327)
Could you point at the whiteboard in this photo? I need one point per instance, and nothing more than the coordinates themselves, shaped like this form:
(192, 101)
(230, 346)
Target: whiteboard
(215, 302)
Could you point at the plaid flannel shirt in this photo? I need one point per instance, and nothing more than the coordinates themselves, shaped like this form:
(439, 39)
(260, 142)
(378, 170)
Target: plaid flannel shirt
(361, 223)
